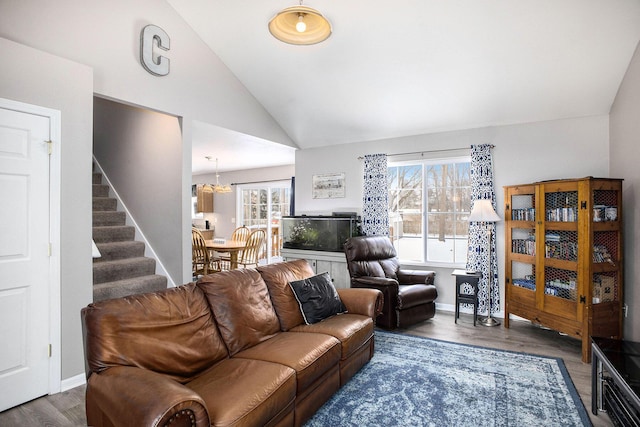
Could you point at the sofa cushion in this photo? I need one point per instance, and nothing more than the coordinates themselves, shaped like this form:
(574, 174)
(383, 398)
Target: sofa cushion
(241, 306)
(352, 330)
(246, 392)
(310, 355)
(277, 277)
(171, 332)
(317, 297)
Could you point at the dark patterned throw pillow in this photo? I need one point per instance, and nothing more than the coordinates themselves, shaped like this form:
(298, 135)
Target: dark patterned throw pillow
(317, 297)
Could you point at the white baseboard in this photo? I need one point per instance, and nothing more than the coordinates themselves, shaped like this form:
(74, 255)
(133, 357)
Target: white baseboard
(452, 308)
(73, 382)
(445, 307)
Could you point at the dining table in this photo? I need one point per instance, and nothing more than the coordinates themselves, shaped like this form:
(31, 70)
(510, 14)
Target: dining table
(233, 247)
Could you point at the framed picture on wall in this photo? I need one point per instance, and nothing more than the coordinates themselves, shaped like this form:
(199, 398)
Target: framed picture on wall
(328, 186)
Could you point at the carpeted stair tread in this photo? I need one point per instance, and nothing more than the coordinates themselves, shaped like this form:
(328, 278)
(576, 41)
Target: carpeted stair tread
(122, 268)
(104, 204)
(113, 233)
(110, 271)
(101, 218)
(100, 190)
(123, 288)
(119, 250)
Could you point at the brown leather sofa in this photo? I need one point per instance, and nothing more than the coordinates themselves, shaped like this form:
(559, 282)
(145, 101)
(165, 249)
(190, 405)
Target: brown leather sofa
(409, 295)
(230, 350)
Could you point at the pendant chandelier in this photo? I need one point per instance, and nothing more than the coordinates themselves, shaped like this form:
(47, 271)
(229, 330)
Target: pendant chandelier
(217, 187)
(300, 25)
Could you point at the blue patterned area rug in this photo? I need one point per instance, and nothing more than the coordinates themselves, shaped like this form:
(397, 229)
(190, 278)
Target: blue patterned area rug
(413, 381)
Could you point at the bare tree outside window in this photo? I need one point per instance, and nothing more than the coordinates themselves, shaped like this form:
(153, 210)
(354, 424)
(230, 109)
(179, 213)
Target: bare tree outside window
(432, 228)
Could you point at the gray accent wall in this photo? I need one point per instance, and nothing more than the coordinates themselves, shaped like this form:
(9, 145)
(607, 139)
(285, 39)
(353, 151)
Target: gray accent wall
(625, 163)
(141, 153)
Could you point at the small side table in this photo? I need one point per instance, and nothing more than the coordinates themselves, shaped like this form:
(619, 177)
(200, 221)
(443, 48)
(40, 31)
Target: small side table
(464, 297)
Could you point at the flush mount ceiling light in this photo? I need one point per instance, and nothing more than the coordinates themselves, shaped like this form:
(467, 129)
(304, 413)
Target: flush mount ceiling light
(300, 25)
(217, 187)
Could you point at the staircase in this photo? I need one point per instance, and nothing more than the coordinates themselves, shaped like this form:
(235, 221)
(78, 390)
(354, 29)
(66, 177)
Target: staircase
(122, 269)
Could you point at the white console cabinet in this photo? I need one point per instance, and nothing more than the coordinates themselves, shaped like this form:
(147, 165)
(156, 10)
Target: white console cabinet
(335, 263)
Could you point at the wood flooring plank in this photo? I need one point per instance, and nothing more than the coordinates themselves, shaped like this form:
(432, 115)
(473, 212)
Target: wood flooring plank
(39, 412)
(69, 399)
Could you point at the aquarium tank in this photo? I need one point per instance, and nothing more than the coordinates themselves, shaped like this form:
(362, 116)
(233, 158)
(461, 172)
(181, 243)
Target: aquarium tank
(319, 233)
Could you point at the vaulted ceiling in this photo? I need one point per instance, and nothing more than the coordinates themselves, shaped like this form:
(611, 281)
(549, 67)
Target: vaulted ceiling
(407, 67)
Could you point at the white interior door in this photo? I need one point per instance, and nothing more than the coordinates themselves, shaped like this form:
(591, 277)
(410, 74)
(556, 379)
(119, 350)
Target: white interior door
(24, 257)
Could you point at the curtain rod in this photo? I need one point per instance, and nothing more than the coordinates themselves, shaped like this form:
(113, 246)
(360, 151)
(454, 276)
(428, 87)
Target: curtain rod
(260, 182)
(427, 151)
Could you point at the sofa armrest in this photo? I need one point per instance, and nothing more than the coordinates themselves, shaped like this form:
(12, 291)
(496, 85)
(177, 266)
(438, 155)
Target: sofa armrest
(367, 302)
(128, 395)
(415, 277)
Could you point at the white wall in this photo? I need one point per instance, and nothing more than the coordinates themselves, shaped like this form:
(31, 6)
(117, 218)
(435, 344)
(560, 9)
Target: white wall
(625, 162)
(105, 37)
(65, 86)
(224, 205)
(570, 148)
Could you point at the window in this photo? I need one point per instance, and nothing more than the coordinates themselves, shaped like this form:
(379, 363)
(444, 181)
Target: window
(263, 207)
(429, 204)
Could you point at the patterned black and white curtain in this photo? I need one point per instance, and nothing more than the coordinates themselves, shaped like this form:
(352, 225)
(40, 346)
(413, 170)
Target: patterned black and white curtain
(477, 257)
(375, 197)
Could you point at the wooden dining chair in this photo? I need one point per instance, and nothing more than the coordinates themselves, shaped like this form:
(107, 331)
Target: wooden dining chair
(240, 234)
(201, 263)
(250, 254)
(253, 248)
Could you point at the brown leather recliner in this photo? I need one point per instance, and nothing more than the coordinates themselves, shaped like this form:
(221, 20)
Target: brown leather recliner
(409, 296)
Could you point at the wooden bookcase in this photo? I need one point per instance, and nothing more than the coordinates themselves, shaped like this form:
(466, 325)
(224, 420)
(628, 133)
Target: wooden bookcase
(564, 257)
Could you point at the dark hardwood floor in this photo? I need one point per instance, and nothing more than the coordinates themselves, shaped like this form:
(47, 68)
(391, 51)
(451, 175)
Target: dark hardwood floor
(64, 409)
(67, 408)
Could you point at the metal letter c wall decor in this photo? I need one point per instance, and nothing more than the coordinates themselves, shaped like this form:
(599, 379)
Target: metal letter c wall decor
(153, 35)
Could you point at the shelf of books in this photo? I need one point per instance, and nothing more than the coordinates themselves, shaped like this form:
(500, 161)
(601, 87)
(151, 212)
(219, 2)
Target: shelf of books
(563, 268)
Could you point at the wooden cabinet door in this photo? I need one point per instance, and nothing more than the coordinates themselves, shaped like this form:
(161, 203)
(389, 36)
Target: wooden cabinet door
(522, 246)
(560, 278)
(205, 198)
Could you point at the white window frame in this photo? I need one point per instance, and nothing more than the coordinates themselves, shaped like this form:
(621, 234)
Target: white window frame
(425, 223)
(268, 186)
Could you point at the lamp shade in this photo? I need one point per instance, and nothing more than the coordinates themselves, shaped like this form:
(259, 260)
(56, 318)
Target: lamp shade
(483, 211)
(300, 25)
(218, 188)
